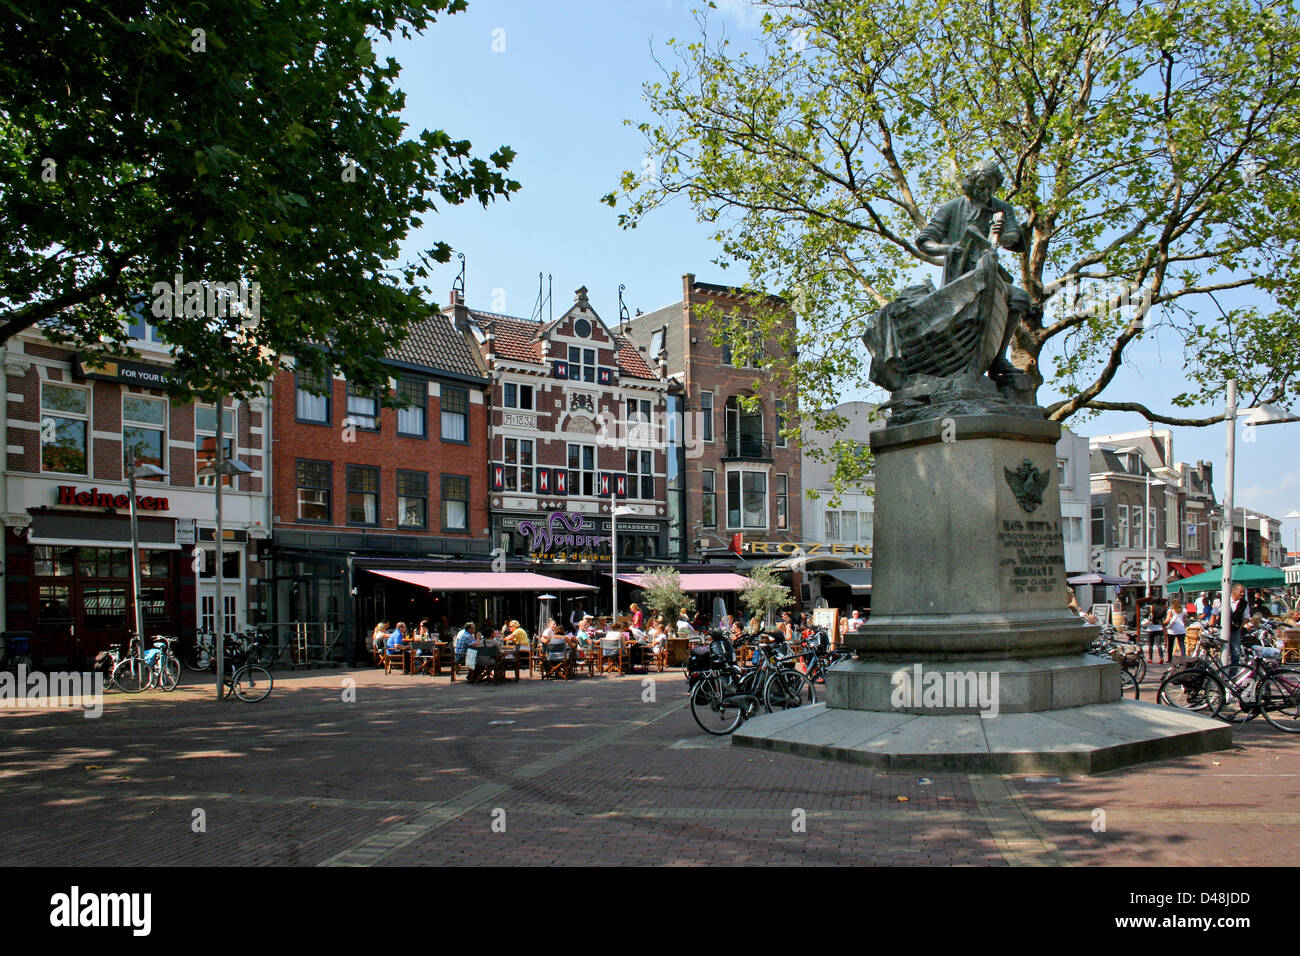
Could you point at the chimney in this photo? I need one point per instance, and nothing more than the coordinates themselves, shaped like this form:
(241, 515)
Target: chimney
(456, 310)
(580, 297)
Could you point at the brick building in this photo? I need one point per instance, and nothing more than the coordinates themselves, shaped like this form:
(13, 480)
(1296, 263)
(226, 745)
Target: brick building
(360, 485)
(67, 427)
(739, 473)
(576, 421)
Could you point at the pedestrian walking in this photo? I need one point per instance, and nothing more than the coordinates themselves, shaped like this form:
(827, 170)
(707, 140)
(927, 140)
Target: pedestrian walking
(1176, 629)
(1155, 633)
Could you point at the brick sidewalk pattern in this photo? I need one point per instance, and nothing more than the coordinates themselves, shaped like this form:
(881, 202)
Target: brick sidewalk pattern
(418, 770)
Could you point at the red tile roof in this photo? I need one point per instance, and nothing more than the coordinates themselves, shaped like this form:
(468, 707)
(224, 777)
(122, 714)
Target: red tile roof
(518, 340)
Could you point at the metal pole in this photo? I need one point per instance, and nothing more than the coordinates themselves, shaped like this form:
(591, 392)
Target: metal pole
(218, 615)
(613, 550)
(1225, 595)
(1146, 520)
(135, 557)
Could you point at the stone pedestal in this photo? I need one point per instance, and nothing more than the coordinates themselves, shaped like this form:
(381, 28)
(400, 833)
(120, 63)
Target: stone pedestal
(969, 600)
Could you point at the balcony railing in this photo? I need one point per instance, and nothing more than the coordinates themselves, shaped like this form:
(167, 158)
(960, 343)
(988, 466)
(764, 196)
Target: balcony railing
(747, 446)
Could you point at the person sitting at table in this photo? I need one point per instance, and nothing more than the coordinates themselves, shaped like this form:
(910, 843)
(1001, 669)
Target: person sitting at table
(464, 639)
(422, 632)
(551, 631)
(684, 624)
(516, 635)
(397, 638)
(379, 636)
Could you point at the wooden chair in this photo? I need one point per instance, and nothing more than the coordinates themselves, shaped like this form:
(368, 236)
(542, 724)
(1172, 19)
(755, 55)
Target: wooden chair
(557, 661)
(425, 656)
(611, 655)
(1290, 645)
(394, 658)
(658, 656)
(445, 657)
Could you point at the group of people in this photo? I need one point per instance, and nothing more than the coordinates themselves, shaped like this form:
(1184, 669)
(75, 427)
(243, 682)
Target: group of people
(1163, 624)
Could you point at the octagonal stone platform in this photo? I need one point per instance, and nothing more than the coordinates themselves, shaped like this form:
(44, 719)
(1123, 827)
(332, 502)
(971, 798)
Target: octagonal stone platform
(1072, 740)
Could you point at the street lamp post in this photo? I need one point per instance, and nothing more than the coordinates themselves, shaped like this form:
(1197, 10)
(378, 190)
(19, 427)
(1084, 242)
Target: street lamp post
(1146, 521)
(222, 467)
(148, 471)
(616, 511)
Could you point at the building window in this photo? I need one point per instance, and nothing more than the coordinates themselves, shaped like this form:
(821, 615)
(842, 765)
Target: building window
(1062, 473)
(1121, 526)
(65, 422)
(710, 495)
(1072, 530)
(706, 416)
(755, 358)
(313, 398)
(455, 414)
(831, 525)
(640, 474)
(582, 364)
(866, 526)
(205, 444)
(782, 491)
(517, 454)
(1193, 537)
(780, 423)
(412, 499)
(314, 486)
(582, 470)
(638, 410)
(518, 396)
(746, 499)
(1152, 539)
(1099, 525)
(455, 503)
(363, 408)
(413, 408)
(363, 494)
(144, 432)
(1135, 516)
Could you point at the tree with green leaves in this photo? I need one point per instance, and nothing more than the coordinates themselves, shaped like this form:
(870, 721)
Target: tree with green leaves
(661, 590)
(1150, 150)
(226, 145)
(764, 594)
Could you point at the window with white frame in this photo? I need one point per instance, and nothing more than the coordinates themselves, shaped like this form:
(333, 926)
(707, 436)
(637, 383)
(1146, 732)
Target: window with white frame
(1121, 526)
(412, 499)
(782, 491)
(455, 413)
(144, 432)
(746, 499)
(582, 470)
(205, 444)
(640, 474)
(65, 429)
(709, 515)
(582, 364)
(515, 395)
(363, 494)
(517, 455)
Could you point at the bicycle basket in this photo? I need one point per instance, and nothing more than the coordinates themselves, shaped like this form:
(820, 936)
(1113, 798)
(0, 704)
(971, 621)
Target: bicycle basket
(722, 651)
(699, 660)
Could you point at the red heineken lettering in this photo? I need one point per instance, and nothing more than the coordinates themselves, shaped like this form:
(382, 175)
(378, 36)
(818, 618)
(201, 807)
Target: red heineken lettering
(94, 498)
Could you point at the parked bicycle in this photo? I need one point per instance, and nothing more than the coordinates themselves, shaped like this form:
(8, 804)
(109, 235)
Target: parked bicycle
(202, 656)
(1262, 686)
(818, 657)
(246, 679)
(725, 695)
(157, 666)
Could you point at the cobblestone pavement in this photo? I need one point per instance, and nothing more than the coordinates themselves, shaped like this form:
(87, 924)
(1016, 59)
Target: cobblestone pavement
(418, 770)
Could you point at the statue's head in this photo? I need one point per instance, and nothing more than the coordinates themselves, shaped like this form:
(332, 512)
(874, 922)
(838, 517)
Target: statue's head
(981, 182)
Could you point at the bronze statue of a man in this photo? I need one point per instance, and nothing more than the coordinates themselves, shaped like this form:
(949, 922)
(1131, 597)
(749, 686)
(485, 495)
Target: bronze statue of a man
(959, 233)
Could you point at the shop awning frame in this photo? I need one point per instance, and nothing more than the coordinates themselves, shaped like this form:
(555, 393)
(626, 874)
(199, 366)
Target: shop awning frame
(481, 581)
(858, 579)
(699, 583)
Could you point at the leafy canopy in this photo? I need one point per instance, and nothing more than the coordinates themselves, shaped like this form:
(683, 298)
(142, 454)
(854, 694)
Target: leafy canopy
(1151, 152)
(223, 142)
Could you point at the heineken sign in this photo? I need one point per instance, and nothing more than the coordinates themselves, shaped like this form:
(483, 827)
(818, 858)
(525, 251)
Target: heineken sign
(94, 498)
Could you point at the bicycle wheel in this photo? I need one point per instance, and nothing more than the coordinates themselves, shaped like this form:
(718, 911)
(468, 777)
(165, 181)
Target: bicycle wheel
(1232, 703)
(788, 688)
(1191, 688)
(712, 711)
(131, 675)
(252, 683)
(1139, 670)
(1279, 697)
(1129, 684)
(170, 674)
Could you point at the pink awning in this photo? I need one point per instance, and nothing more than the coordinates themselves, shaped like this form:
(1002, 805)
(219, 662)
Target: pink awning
(482, 580)
(699, 582)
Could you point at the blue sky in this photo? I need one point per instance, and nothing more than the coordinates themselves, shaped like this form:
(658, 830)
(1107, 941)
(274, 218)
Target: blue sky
(555, 79)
